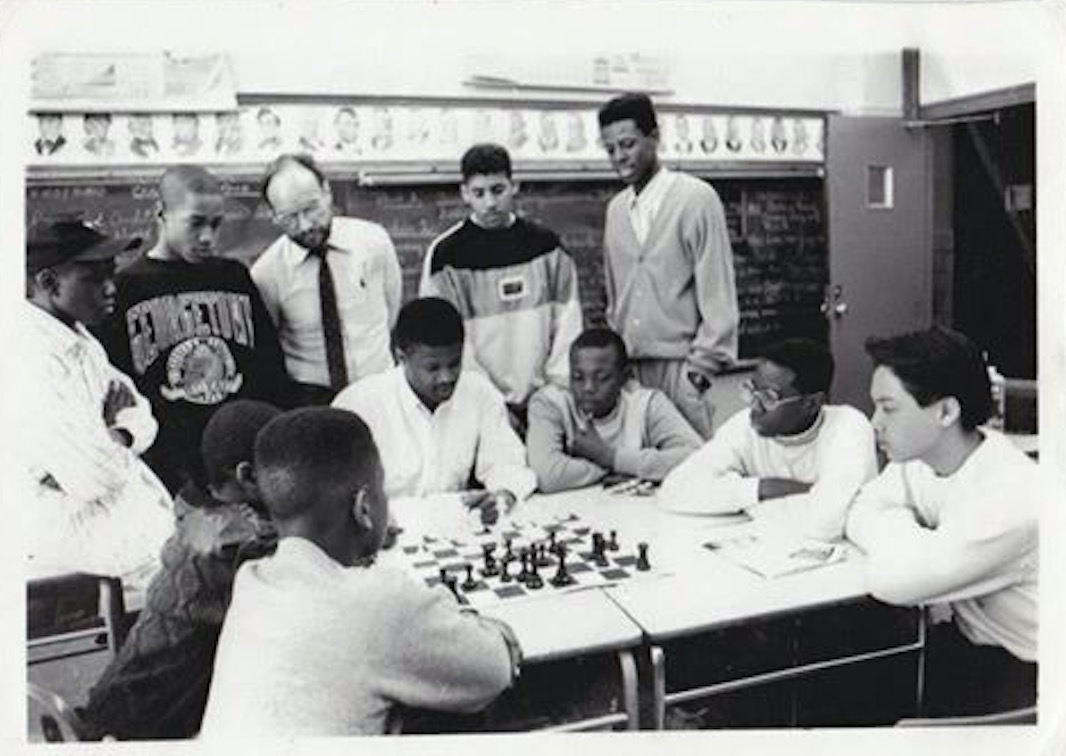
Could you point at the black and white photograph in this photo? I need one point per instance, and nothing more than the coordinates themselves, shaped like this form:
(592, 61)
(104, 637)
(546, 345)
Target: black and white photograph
(455, 376)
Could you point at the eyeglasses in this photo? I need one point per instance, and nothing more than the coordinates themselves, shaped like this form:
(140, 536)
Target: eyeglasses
(768, 398)
(290, 221)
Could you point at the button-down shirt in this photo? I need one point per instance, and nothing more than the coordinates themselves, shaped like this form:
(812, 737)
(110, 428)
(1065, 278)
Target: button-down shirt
(366, 274)
(643, 207)
(427, 452)
(98, 507)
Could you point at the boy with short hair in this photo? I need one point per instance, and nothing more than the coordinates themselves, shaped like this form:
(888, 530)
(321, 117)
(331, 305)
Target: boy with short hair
(156, 687)
(94, 505)
(792, 457)
(320, 640)
(437, 425)
(189, 326)
(513, 283)
(952, 521)
(604, 423)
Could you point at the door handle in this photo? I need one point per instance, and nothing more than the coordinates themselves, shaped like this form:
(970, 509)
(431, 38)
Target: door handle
(834, 303)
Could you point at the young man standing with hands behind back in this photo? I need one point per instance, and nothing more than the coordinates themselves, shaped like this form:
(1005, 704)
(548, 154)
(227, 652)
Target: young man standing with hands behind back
(668, 264)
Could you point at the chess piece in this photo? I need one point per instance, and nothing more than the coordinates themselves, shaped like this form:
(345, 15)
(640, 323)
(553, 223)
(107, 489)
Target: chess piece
(443, 576)
(613, 544)
(469, 584)
(553, 547)
(642, 557)
(533, 579)
(599, 550)
(562, 575)
(490, 569)
(541, 551)
(523, 574)
(509, 554)
(505, 572)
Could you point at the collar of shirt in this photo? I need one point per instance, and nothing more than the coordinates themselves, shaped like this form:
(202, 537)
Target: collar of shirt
(295, 254)
(58, 336)
(511, 218)
(651, 197)
(409, 399)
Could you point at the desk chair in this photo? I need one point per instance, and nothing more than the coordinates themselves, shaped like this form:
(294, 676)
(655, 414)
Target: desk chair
(51, 719)
(1017, 716)
(74, 614)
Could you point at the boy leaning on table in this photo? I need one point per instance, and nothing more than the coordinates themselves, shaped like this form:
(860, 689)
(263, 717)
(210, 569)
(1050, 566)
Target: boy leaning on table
(605, 423)
(791, 458)
(952, 521)
(321, 640)
(438, 427)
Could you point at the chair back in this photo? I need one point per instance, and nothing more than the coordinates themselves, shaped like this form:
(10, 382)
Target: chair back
(51, 719)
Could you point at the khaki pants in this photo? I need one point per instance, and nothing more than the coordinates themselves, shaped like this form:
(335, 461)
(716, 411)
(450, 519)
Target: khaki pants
(669, 377)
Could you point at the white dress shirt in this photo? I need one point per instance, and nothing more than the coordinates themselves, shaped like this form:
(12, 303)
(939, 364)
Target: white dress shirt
(97, 506)
(427, 452)
(366, 274)
(644, 207)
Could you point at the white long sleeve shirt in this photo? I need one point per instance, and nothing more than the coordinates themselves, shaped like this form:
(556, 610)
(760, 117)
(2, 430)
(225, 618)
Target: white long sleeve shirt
(836, 456)
(969, 539)
(98, 507)
(310, 647)
(366, 275)
(427, 452)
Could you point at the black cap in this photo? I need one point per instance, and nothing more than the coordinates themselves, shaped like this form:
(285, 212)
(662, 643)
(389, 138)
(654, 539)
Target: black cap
(64, 241)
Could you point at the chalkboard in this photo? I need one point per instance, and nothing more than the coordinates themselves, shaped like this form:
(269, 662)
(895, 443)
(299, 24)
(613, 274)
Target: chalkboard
(776, 226)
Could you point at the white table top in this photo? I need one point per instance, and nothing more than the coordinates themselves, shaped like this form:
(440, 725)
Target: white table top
(690, 588)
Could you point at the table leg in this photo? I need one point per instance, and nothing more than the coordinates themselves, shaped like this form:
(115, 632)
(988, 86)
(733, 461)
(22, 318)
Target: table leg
(630, 696)
(658, 683)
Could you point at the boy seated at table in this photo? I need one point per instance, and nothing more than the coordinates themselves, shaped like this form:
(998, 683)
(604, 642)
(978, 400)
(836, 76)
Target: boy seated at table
(156, 687)
(952, 521)
(438, 426)
(320, 640)
(604, 423)
(791, 458)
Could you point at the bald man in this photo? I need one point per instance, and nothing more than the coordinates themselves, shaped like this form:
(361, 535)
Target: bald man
(189, 326)
(332, 284)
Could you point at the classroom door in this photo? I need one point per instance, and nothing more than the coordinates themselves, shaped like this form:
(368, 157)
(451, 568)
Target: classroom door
(879, 198)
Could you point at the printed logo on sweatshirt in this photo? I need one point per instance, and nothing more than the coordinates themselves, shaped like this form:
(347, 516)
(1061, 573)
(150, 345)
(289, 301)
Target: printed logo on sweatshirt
(201, 371)
(157, 324)
(511, 288)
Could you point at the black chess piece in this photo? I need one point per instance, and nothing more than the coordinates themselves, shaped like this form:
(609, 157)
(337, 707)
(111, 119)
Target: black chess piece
(469, 584)
(562, 575)
(612, 545)
(533, 580)
(542, 555)
(642, 557)
(509, 554)
(523, 574)
(490, 569)
(443, 576)
(505, 572)
(599, 546)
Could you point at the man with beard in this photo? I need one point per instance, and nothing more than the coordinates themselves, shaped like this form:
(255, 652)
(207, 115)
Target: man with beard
(791, 457)
(331, 284)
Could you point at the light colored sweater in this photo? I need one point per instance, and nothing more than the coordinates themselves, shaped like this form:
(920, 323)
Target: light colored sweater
(310, 647)
(969, 539)
(674, 296)
(836, 456)
(649, 435)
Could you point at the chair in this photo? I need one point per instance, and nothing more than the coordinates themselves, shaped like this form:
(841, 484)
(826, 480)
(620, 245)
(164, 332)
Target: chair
(73, 614)
(1016, 716)
(51, 719)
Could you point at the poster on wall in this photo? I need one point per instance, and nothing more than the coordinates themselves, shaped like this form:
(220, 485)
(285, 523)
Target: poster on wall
(383, 133)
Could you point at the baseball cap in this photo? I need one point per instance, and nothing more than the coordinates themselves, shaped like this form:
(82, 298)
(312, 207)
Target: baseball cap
(64, 241)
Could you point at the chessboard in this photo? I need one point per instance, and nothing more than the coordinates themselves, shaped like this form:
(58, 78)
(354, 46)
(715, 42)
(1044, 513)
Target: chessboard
(514, 560)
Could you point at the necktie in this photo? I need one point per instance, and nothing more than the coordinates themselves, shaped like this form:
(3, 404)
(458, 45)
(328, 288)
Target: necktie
(331, 323)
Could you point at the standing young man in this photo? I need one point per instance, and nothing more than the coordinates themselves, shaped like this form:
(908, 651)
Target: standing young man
(96, 507)
(671, 293)
(189, 326)
(331, 284)
(952, 522)
(513, 283)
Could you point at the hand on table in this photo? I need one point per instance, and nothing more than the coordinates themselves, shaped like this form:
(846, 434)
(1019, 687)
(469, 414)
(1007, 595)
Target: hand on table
(489, 503)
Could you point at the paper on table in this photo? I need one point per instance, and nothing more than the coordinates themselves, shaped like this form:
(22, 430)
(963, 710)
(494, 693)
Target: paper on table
(773, 554)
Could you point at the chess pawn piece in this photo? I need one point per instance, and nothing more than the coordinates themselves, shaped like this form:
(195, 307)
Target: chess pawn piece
(523, 575)
(505, 572)
(533, 579)
(470, 583)
(541, 551)
(562, 575)
(613, 543)
(642, 557)
(553, 547)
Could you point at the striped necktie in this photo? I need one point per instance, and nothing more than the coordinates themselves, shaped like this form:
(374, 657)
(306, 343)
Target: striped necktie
(331, 323)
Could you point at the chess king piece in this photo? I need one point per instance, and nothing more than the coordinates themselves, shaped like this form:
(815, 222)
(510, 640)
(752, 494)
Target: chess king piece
(642, 557)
